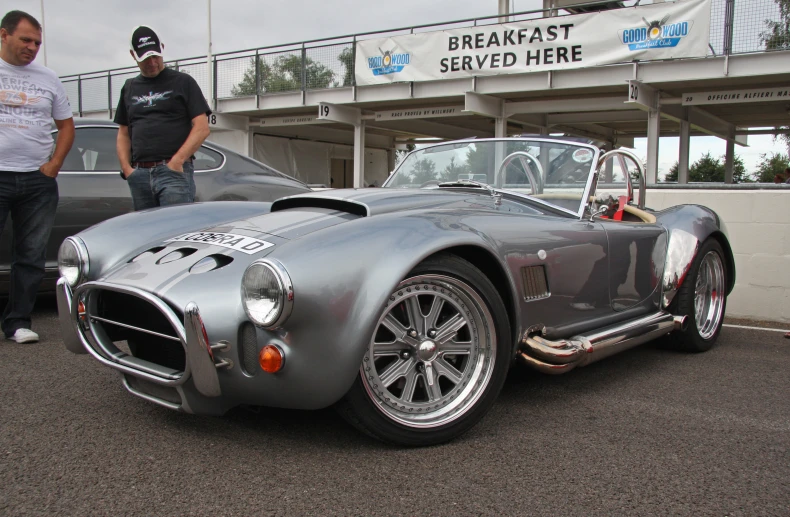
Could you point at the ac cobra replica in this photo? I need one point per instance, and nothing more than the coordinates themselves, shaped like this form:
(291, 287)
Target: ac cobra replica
(403, 306)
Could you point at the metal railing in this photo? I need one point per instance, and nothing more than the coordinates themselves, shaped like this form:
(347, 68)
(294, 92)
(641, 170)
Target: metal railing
(737, 27)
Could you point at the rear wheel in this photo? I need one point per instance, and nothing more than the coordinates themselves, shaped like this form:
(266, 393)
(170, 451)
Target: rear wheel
(437, 359)
(703, 298)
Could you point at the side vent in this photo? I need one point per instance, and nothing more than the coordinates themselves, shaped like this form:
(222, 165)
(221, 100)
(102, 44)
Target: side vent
(248, 340)
(535, 284)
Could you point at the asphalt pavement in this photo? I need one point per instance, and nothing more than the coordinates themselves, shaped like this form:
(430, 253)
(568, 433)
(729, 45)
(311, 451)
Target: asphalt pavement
(646, 432)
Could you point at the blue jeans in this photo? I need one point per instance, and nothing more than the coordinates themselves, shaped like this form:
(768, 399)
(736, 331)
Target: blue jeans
(32, 199)
(161, 186)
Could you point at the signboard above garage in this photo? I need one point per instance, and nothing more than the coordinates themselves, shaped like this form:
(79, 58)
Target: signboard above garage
(658, 31)
(737, 96)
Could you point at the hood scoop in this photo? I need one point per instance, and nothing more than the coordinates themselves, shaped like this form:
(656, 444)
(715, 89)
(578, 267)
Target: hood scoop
(330, 203)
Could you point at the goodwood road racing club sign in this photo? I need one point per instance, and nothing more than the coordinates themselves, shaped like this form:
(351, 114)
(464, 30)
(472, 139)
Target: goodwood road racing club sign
(657, 31)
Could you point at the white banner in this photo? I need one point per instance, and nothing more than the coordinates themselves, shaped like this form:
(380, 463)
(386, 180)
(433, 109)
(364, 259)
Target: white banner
(657, 31)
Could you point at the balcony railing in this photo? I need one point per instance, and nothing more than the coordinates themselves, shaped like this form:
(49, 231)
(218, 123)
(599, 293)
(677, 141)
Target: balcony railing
(737, 27)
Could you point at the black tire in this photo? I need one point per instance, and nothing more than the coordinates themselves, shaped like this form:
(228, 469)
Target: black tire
(446, 287)
(709, 262)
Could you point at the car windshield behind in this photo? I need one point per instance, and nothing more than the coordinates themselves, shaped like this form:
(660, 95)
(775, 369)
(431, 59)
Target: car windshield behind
(556, 171)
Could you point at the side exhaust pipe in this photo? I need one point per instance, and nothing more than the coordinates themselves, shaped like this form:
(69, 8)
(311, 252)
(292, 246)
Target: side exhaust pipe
(555, 357)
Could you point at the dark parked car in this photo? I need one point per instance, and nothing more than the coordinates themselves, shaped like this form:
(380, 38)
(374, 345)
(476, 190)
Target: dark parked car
(404, 306)
(91, 189)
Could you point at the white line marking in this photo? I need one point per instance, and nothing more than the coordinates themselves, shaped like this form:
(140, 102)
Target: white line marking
(755, 328)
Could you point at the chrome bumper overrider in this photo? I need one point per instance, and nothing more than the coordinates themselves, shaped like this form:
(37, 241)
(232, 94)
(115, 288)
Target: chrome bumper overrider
(83, 333)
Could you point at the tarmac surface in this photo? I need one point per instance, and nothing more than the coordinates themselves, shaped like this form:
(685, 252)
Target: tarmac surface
(646, 432)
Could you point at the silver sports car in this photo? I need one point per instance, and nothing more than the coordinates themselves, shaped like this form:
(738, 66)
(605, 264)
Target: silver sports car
(402, 306)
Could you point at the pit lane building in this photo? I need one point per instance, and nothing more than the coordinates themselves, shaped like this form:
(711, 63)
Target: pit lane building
(333, 112)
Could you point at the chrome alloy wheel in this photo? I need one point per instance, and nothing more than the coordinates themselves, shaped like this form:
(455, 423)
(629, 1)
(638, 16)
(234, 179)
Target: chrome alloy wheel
(709, 295)
(432, 354)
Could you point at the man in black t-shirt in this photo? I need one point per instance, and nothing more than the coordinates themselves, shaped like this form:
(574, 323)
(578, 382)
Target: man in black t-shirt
(163, 119)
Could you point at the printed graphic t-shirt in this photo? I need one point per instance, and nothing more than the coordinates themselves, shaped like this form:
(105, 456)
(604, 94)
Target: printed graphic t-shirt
(159, 112)
(31, 96)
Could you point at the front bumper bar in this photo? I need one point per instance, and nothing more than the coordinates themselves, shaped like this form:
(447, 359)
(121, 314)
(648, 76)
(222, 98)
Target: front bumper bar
(200, 364)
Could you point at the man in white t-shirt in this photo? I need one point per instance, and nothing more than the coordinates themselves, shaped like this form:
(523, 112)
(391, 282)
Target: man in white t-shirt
(31, 97)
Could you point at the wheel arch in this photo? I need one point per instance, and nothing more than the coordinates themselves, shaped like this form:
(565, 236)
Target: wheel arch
(729, 258)
(487, 263)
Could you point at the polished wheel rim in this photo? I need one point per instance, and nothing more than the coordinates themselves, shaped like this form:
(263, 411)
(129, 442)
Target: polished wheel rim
(709, 295)
(432, 354)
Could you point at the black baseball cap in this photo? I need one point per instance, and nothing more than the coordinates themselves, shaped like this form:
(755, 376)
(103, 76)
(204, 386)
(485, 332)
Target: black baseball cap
(145, 43)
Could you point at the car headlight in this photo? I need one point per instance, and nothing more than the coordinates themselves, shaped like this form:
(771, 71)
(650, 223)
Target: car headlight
(267, 293)
(73, 261)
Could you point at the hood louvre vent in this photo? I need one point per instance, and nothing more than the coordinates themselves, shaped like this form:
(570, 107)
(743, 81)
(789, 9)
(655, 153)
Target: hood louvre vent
(342, 205)
(535, 284)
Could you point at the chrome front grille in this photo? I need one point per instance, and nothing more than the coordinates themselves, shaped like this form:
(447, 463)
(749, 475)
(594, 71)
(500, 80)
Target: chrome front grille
(249, 348)
(135, 329)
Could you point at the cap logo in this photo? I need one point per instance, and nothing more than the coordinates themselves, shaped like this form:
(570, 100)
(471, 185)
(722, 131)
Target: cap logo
(144, 39)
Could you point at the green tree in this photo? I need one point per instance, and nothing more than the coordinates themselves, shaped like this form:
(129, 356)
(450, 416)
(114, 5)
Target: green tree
(777, 37)
(454, 169)
(423, 170)
(777, 33)
(709, 169)
(283, 74)
(770, 166)
(346, 58)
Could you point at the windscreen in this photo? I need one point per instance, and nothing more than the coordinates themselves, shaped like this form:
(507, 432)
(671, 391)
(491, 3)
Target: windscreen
(556, 171)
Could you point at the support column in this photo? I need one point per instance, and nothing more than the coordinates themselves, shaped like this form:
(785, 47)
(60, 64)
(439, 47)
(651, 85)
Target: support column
(352, 116)
(359, 154)
(488, 106)
(390, 161)
(729, 161)
(653, 133)
(683, 155)
(500, 127)
(545, 162)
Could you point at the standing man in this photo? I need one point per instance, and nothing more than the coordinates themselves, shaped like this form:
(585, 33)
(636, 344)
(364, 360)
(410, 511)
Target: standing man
(31, 97)
(163, 119)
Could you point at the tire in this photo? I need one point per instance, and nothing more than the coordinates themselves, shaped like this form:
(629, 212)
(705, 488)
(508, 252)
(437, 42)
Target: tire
(410, 389)
(703, 298)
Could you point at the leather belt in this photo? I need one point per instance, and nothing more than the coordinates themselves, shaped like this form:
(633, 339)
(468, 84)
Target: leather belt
(148, 165)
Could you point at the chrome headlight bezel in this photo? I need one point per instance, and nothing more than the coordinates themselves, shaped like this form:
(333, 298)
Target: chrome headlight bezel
(83, 258)
(286, 294)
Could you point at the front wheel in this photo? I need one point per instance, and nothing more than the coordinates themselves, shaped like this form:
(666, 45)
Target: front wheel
(437, 359)
(703, 298)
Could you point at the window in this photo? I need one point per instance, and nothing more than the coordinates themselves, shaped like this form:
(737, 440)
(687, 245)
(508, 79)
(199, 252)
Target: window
(93, 150)
(206, 159)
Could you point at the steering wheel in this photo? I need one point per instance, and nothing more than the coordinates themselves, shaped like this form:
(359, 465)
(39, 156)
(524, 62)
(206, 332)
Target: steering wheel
(429, 183)
(536, 184)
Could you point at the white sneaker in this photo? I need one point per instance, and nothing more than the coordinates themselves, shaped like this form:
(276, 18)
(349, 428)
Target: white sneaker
(24, 336)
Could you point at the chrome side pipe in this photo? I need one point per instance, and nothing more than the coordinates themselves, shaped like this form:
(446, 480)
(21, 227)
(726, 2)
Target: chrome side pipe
(555, 357)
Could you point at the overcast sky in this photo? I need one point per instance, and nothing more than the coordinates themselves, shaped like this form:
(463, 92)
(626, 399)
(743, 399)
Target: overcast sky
(90, 35)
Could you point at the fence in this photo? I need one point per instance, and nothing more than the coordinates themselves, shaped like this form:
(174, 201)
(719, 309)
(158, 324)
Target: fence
(737, 27)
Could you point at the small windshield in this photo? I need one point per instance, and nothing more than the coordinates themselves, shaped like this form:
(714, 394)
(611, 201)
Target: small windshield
(556, 171)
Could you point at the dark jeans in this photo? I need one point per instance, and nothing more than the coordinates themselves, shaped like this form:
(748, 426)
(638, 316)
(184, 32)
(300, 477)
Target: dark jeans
(161, 186)
(32, 199)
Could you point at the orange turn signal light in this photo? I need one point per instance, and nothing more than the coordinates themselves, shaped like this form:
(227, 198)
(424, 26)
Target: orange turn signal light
(81, 310)
(271, 359)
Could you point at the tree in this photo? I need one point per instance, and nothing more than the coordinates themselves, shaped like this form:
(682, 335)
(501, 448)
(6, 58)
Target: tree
(283, 74)
(777, 35)
(346, 58)
(770, 166)
(400, 154)
(423, 170)
(709, 169)
(453, 170)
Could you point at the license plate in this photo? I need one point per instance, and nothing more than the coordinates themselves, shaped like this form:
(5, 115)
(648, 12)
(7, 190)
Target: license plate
(232, 241)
